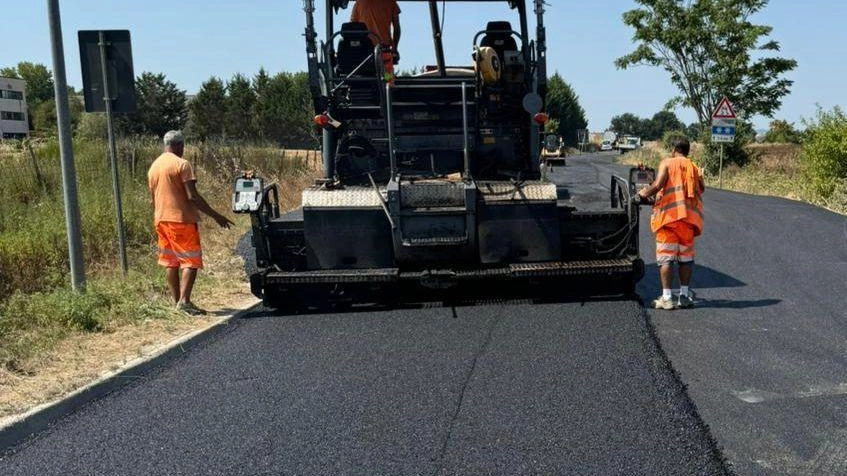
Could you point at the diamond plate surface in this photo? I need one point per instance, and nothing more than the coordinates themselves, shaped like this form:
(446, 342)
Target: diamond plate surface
(508, 191)
(363, 197)
(419, 195)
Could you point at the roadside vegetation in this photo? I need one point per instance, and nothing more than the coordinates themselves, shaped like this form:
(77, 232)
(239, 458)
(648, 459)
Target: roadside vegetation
(40, 315)
(813, 168)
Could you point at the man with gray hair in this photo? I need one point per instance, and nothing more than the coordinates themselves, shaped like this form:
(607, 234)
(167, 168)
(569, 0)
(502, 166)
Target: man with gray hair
(176, 211)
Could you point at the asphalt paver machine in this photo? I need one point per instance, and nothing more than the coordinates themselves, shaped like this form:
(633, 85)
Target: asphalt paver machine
(432, 181)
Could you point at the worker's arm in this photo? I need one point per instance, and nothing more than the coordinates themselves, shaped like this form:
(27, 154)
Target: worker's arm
(202, 205)
(395, 28)
(657, 184)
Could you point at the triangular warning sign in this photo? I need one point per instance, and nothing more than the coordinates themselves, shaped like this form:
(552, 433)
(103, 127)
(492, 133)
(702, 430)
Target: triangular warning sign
(724, 110)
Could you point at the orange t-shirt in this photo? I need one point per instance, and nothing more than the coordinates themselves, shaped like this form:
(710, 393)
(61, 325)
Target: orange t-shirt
(377, 15)
(166, 180)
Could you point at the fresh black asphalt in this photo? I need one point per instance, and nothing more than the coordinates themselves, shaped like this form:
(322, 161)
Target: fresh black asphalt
(764, 354)
(576, 388)
(513, 388)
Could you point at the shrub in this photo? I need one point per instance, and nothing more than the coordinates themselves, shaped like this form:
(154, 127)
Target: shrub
(824, 155)
(670, 136)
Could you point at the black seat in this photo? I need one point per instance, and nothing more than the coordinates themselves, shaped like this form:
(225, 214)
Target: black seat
(355, 46)
(498, 37)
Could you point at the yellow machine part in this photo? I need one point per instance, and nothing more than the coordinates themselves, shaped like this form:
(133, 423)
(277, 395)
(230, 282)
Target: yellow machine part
(487, 65)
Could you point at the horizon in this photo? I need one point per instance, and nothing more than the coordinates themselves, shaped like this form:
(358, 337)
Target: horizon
(188, 54)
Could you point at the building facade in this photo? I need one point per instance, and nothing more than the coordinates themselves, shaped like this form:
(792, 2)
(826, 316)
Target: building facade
(14, 115)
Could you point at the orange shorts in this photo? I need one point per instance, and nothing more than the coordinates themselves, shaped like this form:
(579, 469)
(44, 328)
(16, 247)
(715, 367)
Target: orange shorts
(675, 242)
(179, 245)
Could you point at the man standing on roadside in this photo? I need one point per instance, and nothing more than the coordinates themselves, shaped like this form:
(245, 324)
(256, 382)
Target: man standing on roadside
(677, 218)
(176, 207)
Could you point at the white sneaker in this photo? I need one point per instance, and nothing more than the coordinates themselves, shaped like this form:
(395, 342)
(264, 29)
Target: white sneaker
(663, 303)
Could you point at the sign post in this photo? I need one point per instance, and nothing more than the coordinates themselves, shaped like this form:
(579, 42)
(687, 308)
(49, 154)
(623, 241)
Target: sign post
(109, 85)
(723, 130)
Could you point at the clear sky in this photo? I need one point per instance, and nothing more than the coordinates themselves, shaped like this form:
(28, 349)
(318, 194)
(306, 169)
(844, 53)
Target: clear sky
(191, 40)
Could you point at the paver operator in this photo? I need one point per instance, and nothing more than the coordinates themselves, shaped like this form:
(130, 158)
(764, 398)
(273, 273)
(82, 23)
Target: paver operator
(382, 17)
(676, 220)
(176, 209)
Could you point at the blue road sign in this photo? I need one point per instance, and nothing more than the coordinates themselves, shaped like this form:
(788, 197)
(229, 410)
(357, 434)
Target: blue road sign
(724, 131)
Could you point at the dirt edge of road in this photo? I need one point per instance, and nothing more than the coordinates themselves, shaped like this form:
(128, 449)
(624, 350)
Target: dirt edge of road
(18, 427)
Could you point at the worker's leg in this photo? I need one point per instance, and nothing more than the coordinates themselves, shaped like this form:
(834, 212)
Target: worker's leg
(186, 285)
(666, 276)
(172, 276)
(685, 270)
(167, 256)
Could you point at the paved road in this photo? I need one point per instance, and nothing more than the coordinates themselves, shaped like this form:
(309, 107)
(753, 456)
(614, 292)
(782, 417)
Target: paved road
(492, 389)
(763, 355)
(498, 388)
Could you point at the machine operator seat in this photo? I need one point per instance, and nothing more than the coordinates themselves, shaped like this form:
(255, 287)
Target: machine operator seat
(355, 46)
(497, 37)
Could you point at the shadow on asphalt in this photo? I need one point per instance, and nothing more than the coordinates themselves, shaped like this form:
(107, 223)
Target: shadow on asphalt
(261, 311)
(727, 304)
(703, 278)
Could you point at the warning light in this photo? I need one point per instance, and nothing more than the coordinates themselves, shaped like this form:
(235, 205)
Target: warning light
(541, 118)
(322, 120)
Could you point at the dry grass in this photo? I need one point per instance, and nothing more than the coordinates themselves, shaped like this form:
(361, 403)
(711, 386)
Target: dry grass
(774, 170)
(42, 362)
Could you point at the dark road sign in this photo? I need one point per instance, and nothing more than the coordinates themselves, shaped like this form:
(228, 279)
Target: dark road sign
(119, 65)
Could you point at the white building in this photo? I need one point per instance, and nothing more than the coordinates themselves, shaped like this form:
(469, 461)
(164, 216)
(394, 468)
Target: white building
(14, 120)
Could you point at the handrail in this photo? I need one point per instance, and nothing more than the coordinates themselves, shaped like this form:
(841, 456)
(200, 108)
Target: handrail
(465, 130)
(389, 123)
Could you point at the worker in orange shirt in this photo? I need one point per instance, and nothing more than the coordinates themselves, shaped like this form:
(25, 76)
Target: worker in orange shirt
(676, 220)
(382, 17)
(176, 210)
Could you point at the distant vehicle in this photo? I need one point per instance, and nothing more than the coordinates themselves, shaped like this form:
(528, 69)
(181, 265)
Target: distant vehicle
(606, 145)
(628, 143)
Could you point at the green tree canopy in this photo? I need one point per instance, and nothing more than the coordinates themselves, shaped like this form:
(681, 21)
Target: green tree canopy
(239, 108)
(629, 124)
(39, 80)
(207, 111)
(563, 106)
(781, 132)
(662, 122)
(711, 49)
(161, 106)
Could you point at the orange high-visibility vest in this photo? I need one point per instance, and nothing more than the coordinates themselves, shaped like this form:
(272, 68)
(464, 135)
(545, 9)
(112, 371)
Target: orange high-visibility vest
(680, 199)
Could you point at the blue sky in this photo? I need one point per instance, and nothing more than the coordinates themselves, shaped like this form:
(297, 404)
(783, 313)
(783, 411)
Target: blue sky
(191, 40)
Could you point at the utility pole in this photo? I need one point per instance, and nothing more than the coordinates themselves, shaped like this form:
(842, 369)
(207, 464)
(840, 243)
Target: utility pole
(72, 218)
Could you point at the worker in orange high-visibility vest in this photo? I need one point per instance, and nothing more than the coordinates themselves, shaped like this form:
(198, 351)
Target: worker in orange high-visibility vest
(677, 219)
(382, 17)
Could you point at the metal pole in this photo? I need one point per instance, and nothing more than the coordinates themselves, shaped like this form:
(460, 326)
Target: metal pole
(63, 119)
(389, 120)
(116, 181)
(720, 170)
(465, 146)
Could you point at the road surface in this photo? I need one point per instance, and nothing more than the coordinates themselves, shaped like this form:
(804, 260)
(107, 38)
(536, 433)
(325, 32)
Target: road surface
(514, 387)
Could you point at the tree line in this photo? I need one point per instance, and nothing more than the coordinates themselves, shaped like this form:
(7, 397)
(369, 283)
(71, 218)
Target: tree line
(264, 108)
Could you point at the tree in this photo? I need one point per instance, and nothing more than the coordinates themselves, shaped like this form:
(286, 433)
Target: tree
(43, 115)
(563, 106)
(161, 106)
(283, 109)
(207, 110)
(781, 132)
(39, 80)
(629, 124)
(711, 49)
(239, 108)
(662, 122)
